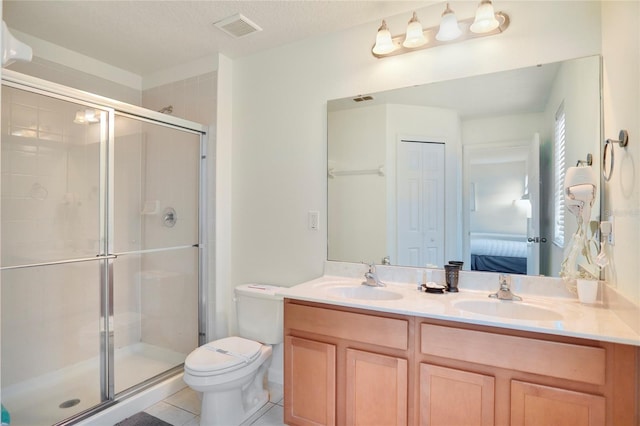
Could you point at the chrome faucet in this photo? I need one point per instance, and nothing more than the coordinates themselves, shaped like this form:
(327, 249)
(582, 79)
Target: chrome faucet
(371, 278)
(505, 290)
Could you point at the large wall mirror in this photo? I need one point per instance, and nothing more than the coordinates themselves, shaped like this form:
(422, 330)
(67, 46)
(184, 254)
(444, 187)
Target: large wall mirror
(468, 169)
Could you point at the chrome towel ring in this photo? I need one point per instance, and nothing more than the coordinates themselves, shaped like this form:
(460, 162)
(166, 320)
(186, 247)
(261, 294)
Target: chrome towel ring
(623, 141)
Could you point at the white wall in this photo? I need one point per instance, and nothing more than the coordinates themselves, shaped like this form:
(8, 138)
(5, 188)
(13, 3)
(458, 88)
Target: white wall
(505, 128)
(279, 118)
(497, 187)
(621, 81)
(508, 137)
(357, 203)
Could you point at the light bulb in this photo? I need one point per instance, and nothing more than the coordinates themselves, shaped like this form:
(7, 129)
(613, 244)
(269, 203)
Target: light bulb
(485, 20)
(415, 36)
(384, 44)
(449, 29)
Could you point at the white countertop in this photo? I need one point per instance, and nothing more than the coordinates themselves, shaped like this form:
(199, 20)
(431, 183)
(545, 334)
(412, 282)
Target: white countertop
(577, 320)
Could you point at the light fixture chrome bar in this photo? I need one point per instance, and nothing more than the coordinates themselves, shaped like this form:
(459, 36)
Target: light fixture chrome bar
(430, 36)
(58, 262)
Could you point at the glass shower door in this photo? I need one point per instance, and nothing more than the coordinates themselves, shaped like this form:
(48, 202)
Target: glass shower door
(53, 257)
(100, 253)
(156, 175)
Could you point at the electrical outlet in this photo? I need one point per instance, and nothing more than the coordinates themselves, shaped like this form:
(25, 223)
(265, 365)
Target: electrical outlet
(314, 220)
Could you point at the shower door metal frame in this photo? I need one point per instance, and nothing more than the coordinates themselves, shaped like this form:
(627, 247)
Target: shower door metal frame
(106, 256)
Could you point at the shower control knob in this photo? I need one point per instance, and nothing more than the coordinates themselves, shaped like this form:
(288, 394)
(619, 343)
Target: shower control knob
(169, 217)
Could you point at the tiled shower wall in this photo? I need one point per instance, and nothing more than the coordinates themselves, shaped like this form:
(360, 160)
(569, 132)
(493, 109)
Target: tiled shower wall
(50, 205)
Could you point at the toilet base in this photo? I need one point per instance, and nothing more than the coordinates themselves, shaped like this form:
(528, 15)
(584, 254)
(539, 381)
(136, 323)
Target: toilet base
(228, 403)
(228, 408)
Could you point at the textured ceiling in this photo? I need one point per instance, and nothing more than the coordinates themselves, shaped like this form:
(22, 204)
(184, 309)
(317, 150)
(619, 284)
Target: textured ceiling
(147, 36)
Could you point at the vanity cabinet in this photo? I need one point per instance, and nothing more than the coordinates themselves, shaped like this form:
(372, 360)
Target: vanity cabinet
(352, 366)
(376, 389)
(534, 404)
(311, 388)
(449, 396)
(368, 355)
(509, 377)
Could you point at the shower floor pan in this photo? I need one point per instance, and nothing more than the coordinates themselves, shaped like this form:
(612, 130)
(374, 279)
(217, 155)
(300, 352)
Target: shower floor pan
(55, 396)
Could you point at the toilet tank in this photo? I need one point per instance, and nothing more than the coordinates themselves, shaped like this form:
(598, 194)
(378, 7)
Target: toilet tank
(259, 310)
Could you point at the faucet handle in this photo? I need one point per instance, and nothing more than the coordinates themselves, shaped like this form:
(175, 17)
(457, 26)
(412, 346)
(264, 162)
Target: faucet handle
(505, 281)
(372, 266)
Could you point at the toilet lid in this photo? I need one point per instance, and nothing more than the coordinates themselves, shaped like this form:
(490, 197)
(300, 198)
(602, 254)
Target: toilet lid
(223, 355)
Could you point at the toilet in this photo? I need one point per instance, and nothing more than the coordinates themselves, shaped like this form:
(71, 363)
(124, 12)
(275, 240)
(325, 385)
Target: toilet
(231, 372)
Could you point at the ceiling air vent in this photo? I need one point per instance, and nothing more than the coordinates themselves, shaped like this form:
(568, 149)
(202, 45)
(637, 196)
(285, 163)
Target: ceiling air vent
(363, 98)
(237, 25)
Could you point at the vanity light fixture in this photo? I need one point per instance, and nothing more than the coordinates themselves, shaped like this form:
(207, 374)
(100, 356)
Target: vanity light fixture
(485, 20)
(449, 28)
(415, 33)
(485, 23)
(384, 43)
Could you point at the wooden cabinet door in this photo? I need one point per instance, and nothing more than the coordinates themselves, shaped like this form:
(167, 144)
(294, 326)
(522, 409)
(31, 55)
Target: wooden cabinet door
(533, 405)
(309, 382)
(450, 397)
(376, 389)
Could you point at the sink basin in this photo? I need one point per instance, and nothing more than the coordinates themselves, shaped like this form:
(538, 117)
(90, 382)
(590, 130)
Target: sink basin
(508, 309)
(363, 292)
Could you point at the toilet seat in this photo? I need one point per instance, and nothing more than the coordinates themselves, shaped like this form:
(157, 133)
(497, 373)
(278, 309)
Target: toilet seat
(222, 356)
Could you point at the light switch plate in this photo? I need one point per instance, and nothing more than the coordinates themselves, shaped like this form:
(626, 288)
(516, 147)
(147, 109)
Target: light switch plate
(314, 220)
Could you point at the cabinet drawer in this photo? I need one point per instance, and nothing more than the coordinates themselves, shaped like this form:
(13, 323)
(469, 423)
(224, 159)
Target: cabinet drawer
(555, 359)
(381, 331)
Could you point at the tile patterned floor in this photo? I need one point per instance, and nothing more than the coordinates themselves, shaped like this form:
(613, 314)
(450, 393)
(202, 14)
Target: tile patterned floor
(183, 409)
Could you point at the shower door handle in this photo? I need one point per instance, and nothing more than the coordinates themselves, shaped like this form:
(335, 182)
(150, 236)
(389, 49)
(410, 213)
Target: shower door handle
(60, 262)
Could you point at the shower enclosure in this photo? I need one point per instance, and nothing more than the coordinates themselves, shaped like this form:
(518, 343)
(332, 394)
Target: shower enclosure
(101, 255)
